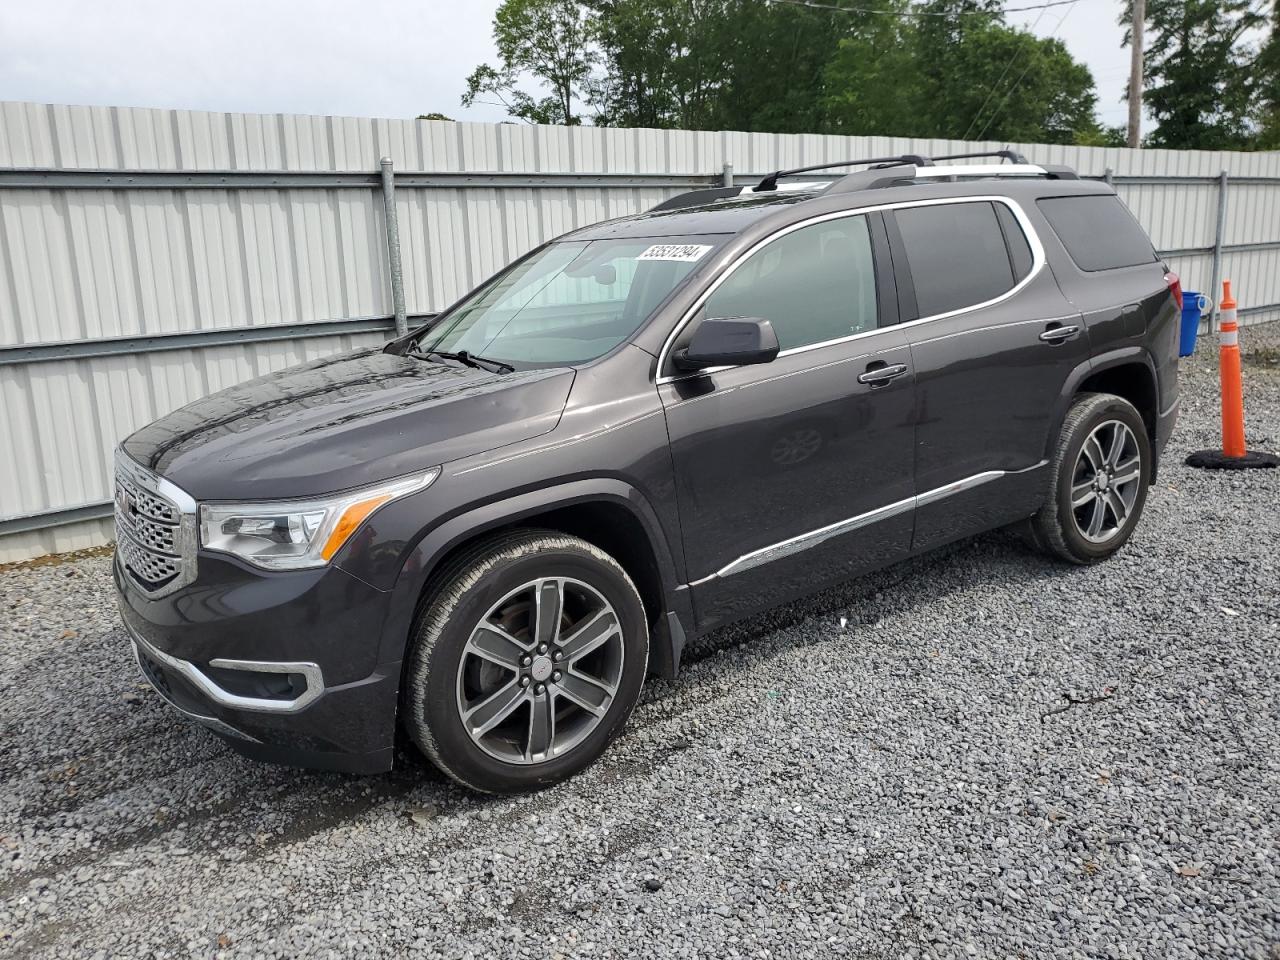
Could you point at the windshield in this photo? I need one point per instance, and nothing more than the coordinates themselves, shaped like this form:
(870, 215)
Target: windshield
(569, 302)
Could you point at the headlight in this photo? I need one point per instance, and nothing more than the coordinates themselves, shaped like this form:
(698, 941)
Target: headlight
(293, 534)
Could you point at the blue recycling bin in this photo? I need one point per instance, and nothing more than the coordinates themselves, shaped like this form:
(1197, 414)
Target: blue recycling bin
(1193, 306)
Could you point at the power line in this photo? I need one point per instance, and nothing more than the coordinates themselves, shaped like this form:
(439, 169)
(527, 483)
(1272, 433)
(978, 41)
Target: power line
(1004, 73)
(921, 13)
(1022, 76)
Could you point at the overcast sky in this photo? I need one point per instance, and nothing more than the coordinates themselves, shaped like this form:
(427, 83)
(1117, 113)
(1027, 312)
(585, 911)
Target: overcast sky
(369, 58)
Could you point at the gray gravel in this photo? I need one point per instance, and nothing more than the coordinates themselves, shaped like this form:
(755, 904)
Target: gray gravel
(994, 756)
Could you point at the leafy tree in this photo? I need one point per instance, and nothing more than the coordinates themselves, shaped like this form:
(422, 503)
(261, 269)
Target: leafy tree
(1116, 136)
(662, 62)
(713, 64)
(551, 40)
(775, 57)
(870, 84)
(874, 68)
(1197, 73)
(1267, 71)
(959, 72)
(434, 116)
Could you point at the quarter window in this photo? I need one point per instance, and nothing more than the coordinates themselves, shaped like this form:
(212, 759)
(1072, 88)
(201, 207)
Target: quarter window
(1019, 249)
(1098, 231)
(813, 284)
(957, 255)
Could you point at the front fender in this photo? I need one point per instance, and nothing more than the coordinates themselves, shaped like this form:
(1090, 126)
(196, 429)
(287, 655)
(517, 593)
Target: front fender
(423, 561)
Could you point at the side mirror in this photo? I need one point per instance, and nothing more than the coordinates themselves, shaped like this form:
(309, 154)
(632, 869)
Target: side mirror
(729, 341)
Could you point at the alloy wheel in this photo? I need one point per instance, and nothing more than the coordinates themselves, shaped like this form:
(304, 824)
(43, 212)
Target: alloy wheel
(540, 670)
(1106, 481)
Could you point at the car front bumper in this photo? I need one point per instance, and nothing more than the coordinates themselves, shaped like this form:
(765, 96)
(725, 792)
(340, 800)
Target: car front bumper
(281, 665)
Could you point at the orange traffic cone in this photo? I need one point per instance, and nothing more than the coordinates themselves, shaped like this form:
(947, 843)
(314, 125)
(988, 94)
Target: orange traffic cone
(1229, 375)
(1233, 455)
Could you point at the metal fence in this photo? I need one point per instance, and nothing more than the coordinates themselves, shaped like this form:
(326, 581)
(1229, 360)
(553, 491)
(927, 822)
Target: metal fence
(148, 257)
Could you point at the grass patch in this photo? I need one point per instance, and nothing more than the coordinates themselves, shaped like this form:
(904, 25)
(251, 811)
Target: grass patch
(57, 559)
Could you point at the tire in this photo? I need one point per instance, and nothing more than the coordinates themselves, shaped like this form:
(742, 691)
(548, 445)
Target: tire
(1073, 533)
(461, 679)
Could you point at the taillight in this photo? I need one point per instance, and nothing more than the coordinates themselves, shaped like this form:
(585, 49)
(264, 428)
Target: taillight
(1175, 287)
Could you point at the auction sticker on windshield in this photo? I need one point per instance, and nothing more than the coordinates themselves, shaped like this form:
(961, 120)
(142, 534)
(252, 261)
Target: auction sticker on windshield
(684, 252)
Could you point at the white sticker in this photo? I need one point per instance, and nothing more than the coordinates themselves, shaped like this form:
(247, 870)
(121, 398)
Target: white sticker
(683, 252)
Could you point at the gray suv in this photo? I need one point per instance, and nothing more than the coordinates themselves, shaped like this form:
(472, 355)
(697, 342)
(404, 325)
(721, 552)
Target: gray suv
(486, 533)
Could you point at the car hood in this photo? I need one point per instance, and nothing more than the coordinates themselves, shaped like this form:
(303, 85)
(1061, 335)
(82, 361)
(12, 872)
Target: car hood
(344, 421)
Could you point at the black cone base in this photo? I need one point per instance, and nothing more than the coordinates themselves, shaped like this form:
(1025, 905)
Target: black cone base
(1217, 460)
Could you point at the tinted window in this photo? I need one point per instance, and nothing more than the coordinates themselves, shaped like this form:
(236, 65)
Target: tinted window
(813, 284)
(957, 255)
(1099, 232)
(1019, 249)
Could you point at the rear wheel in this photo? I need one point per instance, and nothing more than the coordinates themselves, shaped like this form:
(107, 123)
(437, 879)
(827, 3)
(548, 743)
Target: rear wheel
(526, 662)
(1098, 480)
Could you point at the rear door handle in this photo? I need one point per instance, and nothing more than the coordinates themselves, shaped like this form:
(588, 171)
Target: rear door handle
(1057, 334)
(879, 373)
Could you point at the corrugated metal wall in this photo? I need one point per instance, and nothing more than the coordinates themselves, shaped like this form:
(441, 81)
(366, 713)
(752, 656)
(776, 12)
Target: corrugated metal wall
(86, 264)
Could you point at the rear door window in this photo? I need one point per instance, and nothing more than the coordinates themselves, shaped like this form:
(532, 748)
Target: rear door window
(957, 255)
(1098, 231)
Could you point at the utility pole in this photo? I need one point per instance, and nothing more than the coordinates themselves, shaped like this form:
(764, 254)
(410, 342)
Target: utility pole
(1135, 72)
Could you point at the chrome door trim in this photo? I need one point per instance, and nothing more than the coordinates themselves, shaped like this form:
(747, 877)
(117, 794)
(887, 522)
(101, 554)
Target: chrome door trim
(804, 541)
(1033, 240)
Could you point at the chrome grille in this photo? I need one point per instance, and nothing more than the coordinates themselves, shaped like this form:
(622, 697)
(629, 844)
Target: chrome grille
(152, 569)
(155, 534)
(147, 503)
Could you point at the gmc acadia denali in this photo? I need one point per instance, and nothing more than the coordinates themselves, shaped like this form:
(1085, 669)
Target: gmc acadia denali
(487, 532)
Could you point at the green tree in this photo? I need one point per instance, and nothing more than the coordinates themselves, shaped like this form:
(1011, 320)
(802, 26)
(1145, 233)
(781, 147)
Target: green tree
(958, 72)
(1198, 73)
(870, 85)
(875, 67)
(775, 56)
(1267, 71)
(714, 64)
(662, 62)
(549, 41)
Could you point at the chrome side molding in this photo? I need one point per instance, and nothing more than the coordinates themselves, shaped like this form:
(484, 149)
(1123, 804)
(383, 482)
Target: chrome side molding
(804, 541)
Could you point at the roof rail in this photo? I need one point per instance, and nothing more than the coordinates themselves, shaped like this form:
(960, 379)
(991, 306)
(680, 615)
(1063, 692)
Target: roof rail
(1013, 156)
(903, 175)
(696, 198)
(771, 181)
(885, 172)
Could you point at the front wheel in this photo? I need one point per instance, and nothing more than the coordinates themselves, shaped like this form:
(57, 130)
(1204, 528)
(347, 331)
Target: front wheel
(1098, 480)
(526, 662)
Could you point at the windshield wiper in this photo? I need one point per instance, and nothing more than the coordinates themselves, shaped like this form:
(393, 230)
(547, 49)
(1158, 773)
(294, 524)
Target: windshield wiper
(470, 359)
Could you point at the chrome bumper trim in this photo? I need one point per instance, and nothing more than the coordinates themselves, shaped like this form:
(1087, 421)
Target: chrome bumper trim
(225, 698)
(213, 723)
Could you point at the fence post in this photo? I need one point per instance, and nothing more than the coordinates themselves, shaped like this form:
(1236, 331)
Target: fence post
(1107, 177)
(1216, 290)
(726, 174)
(393, 245)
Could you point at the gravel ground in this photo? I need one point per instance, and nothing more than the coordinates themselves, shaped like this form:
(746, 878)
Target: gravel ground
(977, 753)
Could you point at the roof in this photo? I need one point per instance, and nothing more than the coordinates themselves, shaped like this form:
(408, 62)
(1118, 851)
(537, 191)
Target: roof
(709, 211)
(719, 216)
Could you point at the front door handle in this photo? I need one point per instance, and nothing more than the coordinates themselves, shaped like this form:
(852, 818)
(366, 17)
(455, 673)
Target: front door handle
(1059, 333)
(880, 373)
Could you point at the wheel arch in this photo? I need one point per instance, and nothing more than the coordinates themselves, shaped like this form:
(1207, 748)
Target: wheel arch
(606, 512)
(1130, 373)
